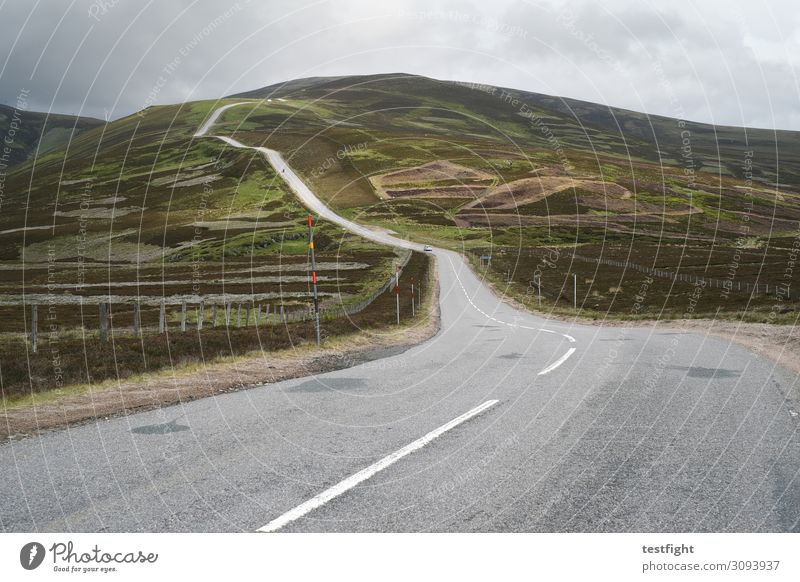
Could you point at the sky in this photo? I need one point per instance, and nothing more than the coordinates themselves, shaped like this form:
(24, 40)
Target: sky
(727, 62)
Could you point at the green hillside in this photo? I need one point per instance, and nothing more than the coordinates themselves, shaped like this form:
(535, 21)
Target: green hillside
(517, 174)
(29, 132)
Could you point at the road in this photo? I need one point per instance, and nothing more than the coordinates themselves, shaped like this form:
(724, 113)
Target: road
(504, 421)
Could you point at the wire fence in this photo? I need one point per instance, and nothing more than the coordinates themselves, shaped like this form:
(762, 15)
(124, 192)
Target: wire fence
(728, 284)
(484, 258)
(202, 313)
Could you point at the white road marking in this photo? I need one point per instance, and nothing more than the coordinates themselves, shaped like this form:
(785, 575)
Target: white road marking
(557, 363)
(365, 474)
(316, 205)
(549, 368)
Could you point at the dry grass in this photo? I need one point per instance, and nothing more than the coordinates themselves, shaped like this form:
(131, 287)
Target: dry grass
(184, 367)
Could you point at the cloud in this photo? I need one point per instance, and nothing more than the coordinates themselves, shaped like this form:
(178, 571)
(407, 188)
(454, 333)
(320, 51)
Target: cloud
(730, 63)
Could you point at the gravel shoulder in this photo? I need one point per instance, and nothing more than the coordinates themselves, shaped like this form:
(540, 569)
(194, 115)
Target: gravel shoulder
(777, 343)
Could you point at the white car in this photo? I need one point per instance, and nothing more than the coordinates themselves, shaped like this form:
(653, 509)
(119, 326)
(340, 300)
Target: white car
(428, 248)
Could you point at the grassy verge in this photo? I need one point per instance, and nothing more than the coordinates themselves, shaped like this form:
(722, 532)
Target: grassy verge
(71, 366)
(631, 305)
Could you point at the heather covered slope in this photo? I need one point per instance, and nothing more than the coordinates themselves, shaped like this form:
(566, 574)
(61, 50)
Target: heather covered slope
(518, 174)
(27, 133)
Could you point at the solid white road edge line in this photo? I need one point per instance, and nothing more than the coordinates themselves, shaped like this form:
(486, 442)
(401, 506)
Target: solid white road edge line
(276, 161)
(365, 474)
(557, 363)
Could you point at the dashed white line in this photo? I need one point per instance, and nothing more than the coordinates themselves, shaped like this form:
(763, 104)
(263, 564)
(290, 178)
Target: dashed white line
(549, 368)
(364, 474)
(316, 205)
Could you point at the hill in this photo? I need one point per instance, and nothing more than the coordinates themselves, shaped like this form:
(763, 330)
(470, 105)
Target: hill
(578, 124)
(30, 131)
(607, 195)
(613, 194)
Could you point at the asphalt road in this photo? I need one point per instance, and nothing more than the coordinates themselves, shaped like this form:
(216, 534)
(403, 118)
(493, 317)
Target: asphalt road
(502, 422)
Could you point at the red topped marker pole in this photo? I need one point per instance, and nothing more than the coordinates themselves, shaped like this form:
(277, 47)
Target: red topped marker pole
(314, 277)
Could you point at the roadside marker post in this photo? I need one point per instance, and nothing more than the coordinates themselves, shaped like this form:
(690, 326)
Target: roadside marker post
(103, 309)
(574, 291)
(137, 319)
(397, 291)
(314, 278)
(413, 308)
(34, 327)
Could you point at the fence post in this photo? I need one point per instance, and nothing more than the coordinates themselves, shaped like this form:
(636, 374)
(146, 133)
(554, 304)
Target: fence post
(258, 314)
(162, 317)
(103, 309)
(137, 321)
(247, 315)
(183, 316)
(34, 327)
(214, 315)
(227, 314)
(239, 315)
(200, 314)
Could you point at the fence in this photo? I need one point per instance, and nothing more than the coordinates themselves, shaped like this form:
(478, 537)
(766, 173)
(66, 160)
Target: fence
(727, 284)
(226, 314)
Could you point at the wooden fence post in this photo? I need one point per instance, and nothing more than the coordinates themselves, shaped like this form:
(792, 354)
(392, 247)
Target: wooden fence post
(137, 319)
(103, 309)
(258, 315)
(34, 327)
(162, 317)
(183, 316)
(200, 313)
(247, 315)
(239, 315)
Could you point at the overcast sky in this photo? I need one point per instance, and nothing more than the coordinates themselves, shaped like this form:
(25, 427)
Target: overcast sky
(723, 61)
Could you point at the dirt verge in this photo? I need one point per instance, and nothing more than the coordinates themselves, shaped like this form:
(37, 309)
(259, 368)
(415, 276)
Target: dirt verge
(117, 398)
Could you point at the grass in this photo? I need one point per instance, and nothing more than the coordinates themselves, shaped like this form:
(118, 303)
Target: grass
(193, 211)
(616, 293)
(139, 210)
(406, 121)
(65, 361)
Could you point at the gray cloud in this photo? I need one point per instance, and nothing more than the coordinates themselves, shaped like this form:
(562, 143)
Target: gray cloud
(725, 62)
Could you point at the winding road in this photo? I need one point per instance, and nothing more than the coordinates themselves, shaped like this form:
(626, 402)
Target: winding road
(504, 421)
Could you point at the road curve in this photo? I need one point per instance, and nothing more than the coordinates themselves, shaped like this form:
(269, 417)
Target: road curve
(315, 205)
(474, 430)
(303, 192)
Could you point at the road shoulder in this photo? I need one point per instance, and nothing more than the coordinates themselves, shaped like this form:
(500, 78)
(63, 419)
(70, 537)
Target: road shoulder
(82, 404)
